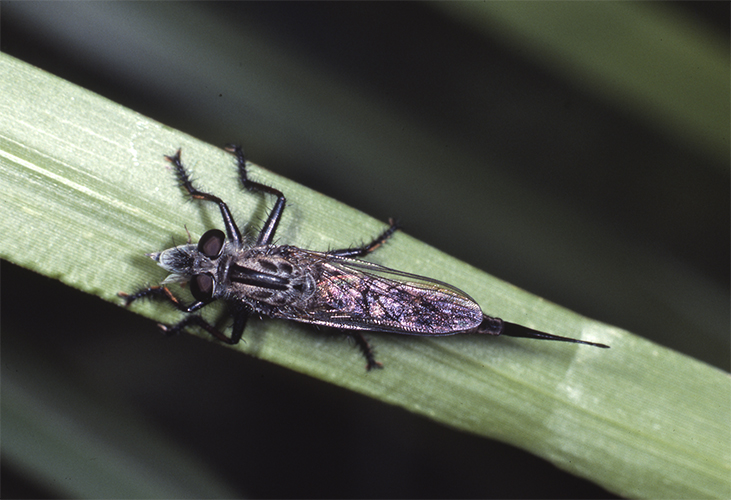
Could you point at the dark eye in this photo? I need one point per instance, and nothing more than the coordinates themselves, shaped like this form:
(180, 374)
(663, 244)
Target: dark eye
(211, 243)
(201, 286)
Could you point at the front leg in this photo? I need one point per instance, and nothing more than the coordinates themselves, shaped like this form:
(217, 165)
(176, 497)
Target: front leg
(165, 293)
(232, 231)
(266, 235)
(241, 315)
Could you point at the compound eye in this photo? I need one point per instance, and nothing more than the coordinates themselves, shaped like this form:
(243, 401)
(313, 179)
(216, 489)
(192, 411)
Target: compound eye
(201, 286)
(211, 243)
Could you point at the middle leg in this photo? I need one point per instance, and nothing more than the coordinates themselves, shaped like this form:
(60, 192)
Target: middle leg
(364, 250)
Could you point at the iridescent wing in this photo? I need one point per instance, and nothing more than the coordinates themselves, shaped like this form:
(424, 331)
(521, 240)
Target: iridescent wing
(358, 295)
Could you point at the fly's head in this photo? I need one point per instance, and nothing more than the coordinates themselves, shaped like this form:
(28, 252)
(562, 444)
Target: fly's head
(197, 264)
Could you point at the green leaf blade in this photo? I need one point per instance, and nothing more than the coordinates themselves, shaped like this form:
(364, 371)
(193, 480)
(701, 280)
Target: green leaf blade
(87, 194)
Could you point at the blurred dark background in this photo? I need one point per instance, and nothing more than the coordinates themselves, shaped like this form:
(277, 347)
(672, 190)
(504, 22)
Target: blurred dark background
(398, 109)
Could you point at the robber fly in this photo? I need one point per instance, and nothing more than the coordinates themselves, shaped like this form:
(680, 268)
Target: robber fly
(331, 289)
